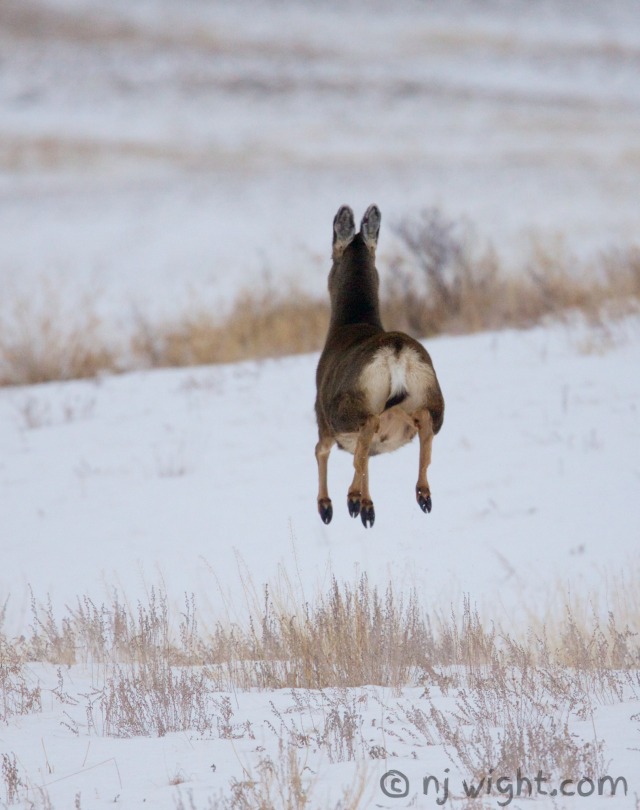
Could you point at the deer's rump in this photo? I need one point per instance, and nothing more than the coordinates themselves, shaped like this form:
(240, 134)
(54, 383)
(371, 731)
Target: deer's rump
(394, 382)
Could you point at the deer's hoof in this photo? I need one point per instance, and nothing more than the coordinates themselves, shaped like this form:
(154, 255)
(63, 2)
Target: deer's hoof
(325, 509)
(353, 502)
(424, 499)
(367, 514)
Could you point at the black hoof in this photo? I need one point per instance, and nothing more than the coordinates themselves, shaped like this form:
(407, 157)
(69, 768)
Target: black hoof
(424, 502)
(367, 515)
(326, 511)
(354, 507)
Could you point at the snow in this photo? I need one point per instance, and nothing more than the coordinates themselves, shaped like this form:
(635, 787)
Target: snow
(155, 149)
(172, 473)
(204, 480)
(155, 153)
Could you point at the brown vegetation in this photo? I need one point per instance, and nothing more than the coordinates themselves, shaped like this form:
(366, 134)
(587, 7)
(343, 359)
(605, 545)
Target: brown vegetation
(492, 698)
(442, 280)
(354, 634)
(445, 281)
(258, 325)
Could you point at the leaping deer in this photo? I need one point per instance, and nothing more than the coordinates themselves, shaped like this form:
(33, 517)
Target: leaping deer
(375, 389)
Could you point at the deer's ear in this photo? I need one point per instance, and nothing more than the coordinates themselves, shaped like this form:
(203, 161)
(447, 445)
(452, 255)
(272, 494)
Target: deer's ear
(344, 226)
(370, 226)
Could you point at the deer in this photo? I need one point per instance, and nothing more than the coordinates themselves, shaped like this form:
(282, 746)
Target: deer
(376, 390)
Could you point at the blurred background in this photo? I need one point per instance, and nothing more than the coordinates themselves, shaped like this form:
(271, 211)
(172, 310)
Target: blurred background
(156, 155)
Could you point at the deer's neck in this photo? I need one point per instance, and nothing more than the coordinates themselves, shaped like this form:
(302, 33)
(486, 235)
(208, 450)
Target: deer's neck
(354, 299)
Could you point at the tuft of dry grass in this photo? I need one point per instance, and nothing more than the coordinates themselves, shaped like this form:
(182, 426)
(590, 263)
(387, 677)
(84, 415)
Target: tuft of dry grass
(44, 342)
(285, 783)
(352, 635)
(258, 325)
(19, 791)
(18, 695)
(442, 279)
(517, 714)
(13, 782)
(446, 280)
(116, 633)
(152, 699)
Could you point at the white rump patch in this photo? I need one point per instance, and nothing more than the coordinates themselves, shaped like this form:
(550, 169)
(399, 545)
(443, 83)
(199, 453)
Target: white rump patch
(390, 374)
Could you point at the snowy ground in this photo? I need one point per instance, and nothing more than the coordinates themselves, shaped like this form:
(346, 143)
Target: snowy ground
(200, 478)
(154, 150)
(173, 473)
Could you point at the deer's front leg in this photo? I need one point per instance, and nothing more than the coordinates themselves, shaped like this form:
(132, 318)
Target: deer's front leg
(424, 423)
(359, 499)
(323, 448)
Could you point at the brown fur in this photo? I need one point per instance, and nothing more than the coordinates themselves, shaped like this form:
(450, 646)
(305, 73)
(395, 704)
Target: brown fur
(375, 389)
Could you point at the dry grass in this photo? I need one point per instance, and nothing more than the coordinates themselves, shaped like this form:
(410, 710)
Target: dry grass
(42, 340)
(285, 783)
(351, 635)
(443, 279)
(517, 714)
(152, 700)
(18, 695)
(265, 324)
(13, 782)
(495, 700)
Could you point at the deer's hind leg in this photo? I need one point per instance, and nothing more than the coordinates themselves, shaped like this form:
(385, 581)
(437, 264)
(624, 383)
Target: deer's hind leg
(323, 448)
(424, 423)
(359, 499)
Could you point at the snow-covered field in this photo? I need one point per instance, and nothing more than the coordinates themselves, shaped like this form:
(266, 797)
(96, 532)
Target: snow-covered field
(202, 480)
(176, 474)
(156, 151)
